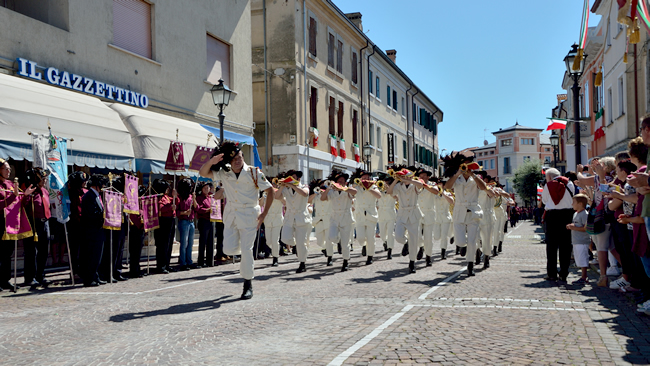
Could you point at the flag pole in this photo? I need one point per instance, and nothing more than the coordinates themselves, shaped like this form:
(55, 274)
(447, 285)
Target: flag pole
(110, 263)
(67, 242)
(148, 233)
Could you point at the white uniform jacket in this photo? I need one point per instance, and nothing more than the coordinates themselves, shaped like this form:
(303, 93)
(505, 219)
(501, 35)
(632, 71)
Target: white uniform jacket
(443, 213)
(386, 209)
(297, 212)
(466, 200)
(341, 207)
(322, 213)
(274, 216)
(365, 206)
(409, 211)
(427, 203)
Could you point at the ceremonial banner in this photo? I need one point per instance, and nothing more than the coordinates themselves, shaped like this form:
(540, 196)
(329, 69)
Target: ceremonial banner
(175, 160)
(342, 148)
(112, 210)
(16, 222)
(150, 212)
(51, 154)
(131, 193)
(215, 212)
(201, 155)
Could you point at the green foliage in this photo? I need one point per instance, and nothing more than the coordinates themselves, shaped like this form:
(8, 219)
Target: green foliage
(527, 176)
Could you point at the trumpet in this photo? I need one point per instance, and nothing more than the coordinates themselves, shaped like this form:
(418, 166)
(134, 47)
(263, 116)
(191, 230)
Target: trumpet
(317, 190)
(463, 167)
(381, 185)
(357, 181)
(274, 181)
(391, 173)
(327, 183)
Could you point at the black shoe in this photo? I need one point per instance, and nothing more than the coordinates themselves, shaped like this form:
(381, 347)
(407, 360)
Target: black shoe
(171, 269)
(451, 241)
(183, 268)
(119, 277)
(101, 282)
(329, 262)
(390, 254)
(195, 266)
(420, 253)
(443, 254)
(405, 249)
(494, 251)
(500, 246)
(463, 251)
(486, 262)
(324, 252)
(478, 257)
(294, 250)
(33, 284)
(275, 262)
(470, 269)
(345, 266)
(339, 248)
(363, 251)
(351, 247)
(385, 246)
(162, 271)
(248, 290)
(429, 264)
(549, 278)
(412, 267)
(562, 279)
(8, 286)
(92, 284)
(301, 268)
(369, 260)
(457, 250)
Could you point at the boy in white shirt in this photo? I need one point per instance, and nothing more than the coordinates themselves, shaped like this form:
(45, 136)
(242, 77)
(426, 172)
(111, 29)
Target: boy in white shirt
(579, 237)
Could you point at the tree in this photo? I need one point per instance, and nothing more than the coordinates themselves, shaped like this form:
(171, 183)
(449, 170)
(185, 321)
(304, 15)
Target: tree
(526, 179)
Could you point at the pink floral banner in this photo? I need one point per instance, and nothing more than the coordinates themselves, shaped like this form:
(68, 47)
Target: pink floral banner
(131, 193)
(201, 155)
(113, 210)
(150, 212)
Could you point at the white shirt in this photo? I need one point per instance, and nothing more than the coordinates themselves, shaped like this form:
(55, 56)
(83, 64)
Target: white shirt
(341, 207)
(386, 209)
(297, 207)
(409, 211)
(565, 202)
(274, 216)
(427, 203)
(322, 211)
(443, 213)
(466, 192)
(365, 204)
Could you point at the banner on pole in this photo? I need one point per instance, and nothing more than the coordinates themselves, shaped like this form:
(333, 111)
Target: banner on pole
(175, 160)
(131, 192)
(215, 210)
(201, 155)
(112, 210)
(51, 154)
(150, 212)
(16, 223)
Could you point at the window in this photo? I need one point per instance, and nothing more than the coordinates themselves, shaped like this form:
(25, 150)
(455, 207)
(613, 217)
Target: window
(313, 107)
(547, 160)
(526, 158)
(528, 141)
(330, 50)
(371, 134)
(415, 112)
(332, 114)
(609, 34)
(339, 56)
(378, 96)
(388, 95)
(491, 163)
(313, 28)
(395, 100)
(403, 107)
(506, 165)
(547, 149)
(340, 120)
(480, 154)
(587, 111)
(621, 100)
(355, 127)
(491, 152)
(506, 142)
(417, 153)
(132, 26)
(404, 148)
(370, 80)
(355, 67)
(610, 104)
(378, 137)
(54, 13)
(218, 61)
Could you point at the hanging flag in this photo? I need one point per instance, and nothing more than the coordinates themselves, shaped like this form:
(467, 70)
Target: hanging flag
(342, 148)
(51, 154)
(112, 210)
(314, 136)
(644, 16)
(215, 210)
(175, 160)
(357, 153)
(201, 155)
(150, 212)
(333, 147)
(584, 27)
(17, 225)
(539, 192)
(131, 192)
(556, 124)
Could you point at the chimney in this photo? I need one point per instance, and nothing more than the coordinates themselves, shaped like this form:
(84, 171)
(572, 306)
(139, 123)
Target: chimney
(392, 54)
(355, 18)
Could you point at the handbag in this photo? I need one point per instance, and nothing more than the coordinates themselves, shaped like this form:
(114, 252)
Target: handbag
(596, 219)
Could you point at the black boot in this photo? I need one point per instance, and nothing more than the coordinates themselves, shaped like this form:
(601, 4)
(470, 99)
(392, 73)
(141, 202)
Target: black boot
(451, 241)
(339, 247)
(294, 250)
(363, 251)
(345, 266)
(390, 254)
(329, 261)
(500, 246)
(405, 249)
(324, 252)
(457, 250)
(443, 254)
(463, 251)
(369, 260)
(275, 262)
(494, 251)
(429, 264)
(248, 290)
(412, 267)
(301, 268)
(478, 257)
(385, 246)
(420, 253)
(351, 247)
(486, 262)
(470, 269)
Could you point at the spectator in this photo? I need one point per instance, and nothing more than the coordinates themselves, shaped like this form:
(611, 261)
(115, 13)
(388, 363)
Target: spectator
(557, 196)
(579, 238)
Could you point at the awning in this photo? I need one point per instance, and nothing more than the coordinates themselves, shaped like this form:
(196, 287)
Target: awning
(100, 138)
(152, 132)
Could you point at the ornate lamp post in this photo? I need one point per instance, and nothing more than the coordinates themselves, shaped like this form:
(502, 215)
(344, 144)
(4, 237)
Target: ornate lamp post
(221, 97)
(367, 153)
(575, 90)
(555, 142)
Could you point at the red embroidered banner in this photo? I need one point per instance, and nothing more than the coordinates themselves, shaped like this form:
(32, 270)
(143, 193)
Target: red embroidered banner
(201, 155)
(175, 160)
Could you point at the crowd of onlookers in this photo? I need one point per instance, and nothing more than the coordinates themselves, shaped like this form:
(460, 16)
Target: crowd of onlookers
(598, 215)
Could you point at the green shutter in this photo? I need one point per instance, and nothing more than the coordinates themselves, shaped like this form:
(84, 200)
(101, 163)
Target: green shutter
(423, 117)
(435, 161)
(435, 127)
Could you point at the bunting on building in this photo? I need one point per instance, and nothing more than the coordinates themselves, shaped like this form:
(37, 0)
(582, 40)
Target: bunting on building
(342, 148)
(333, 146)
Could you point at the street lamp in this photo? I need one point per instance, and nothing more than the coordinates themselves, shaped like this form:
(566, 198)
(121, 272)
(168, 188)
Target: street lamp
(367, 152)
(575, 89)
(221, 98)
(555, 142)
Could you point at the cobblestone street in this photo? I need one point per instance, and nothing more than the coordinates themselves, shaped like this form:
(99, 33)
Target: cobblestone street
(375, 314)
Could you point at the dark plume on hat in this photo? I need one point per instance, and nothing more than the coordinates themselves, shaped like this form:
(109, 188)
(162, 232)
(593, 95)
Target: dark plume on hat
(453, 162)
(229, 149)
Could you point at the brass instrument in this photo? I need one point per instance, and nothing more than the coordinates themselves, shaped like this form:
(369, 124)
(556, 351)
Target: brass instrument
(391, 173)
(381, 185)
(317, 190)
(274, 181)
(463, 167)
(357, 181)
(340, 188)
(327, 183)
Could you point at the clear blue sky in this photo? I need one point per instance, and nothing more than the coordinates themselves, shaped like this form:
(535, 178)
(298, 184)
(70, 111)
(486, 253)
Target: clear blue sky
(486, 64)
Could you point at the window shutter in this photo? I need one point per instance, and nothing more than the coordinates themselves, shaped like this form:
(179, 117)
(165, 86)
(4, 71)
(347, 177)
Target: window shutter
(132, 26)
(435, 127)
(218, 61)
(312, 36)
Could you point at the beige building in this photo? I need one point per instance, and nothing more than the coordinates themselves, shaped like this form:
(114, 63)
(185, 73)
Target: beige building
(146, 66)
(322, 103)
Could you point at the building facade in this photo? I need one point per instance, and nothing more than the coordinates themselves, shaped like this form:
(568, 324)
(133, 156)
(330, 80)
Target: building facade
(515, 145)
(487, 157)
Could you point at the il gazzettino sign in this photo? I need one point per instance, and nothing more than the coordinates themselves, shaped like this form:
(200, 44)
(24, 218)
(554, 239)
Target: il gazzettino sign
(82, 84)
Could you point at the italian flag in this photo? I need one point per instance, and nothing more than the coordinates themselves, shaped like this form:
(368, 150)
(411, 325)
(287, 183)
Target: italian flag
(333, 147)
(342, 148)
(556, 124)
(315, 136)
(583, 36)
(357, 154)
(644, 16)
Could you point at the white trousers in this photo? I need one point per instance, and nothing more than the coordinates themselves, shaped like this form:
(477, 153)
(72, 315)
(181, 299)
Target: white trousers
(466, 235)
(486, 236)
(297, 235)
(323, 241)
(345, 235)
(441, 232)
(387, 232)
(413, 232)
(366, 236)
(238, 241)
(273, 239)
(427, 239)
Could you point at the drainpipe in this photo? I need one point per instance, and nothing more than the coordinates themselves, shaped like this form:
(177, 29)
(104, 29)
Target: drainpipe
(369, 116)
(361, 109)
(417, 91)
(408, 108)
(433, 135)
(636, 96)
(266, 92)
(306, 92)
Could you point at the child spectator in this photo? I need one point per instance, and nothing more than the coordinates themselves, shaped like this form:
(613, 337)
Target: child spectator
(579, 237)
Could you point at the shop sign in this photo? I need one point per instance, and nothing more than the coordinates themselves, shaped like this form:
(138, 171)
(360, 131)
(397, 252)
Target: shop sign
(54, 76)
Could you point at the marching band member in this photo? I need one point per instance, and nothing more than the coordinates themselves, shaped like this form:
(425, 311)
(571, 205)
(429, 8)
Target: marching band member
(273, 222)
(242, 216)
(321, 221)
(387, 216)
(297, 219)
(442, 222)
(427, 203)
(340, 197)
(487, 225)
(366, 211)
(467, 212)
(407, 189)
(36, 247)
